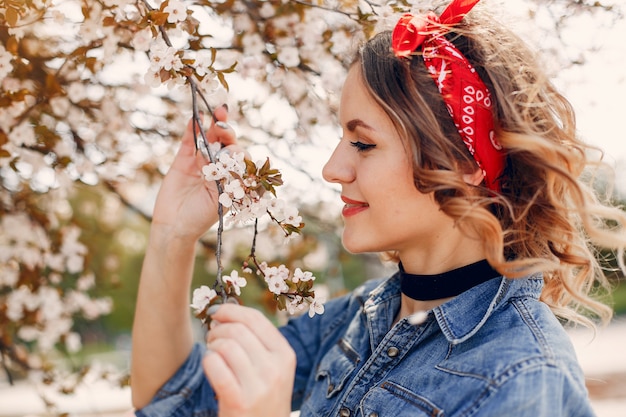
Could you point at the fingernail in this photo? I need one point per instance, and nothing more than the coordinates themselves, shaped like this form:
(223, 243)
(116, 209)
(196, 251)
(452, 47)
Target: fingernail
(222, 125)
(212, 310)
(213, 324)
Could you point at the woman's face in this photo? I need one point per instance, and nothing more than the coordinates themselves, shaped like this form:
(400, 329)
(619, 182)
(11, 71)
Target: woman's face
(384, 211)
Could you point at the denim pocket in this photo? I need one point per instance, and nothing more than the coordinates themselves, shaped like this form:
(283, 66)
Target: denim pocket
(336, 367)
(391, 399)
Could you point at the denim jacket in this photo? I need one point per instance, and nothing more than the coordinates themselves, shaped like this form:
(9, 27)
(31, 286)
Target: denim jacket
(494, 350)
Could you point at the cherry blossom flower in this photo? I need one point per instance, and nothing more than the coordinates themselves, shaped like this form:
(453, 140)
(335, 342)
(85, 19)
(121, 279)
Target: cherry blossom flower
(209, 84)
(201, 298)
(295, 305)
(214, 172)
(5, 62)
(225, 200)
(203, 63)
(276, 207)
(141, 40)
(153, 79)
(23, 134)
(292, 217)
(235, 281)
(276, 284)
(316, 307)
(73, 342)
(289, 56)
(177, 11)
(299, 275)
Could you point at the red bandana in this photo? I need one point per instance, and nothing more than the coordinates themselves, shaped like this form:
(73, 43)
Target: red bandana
(466, 96)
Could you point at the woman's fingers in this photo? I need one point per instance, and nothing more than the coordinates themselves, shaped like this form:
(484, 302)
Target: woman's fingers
(255, 321)
(249, 363)
(234, 330)
(236, 364)
(222, 132)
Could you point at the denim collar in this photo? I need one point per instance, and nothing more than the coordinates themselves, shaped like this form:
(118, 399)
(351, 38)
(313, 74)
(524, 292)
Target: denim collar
(464, 315)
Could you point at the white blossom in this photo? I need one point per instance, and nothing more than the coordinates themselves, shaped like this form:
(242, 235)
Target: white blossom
(235, 281)
(253, 44)
(86, 282)
(23, 134)
(177, 11)
(60, 106)
(89, 30)
(142, 40)
(267, 10)
(76, 92)
(5, 62)
(235, 189)
(292, 217)
(73, 342)
(225, 200)
(276, 207)
(295, 305)
(202, 297)
(316, 306)
(152, 78)
(203, 63)
(214, 172)
(209, 84)
(299, 275)
(277, 284)
(289, 56)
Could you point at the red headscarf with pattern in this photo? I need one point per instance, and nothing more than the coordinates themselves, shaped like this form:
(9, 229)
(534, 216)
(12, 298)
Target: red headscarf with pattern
(466, 96)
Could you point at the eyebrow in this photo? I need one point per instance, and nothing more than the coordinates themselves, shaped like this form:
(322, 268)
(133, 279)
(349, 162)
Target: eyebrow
(354, 123)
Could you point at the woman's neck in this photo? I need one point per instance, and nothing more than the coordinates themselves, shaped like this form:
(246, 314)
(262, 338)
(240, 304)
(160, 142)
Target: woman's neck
(450, 249)
(409, 306)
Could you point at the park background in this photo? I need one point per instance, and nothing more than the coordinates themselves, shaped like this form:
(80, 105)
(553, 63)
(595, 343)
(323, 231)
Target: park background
(85, 137)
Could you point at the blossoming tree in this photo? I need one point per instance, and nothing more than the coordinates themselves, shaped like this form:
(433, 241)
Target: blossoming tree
(96, 92)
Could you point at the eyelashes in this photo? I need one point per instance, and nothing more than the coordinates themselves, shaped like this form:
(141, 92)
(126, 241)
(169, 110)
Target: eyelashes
(362, 147)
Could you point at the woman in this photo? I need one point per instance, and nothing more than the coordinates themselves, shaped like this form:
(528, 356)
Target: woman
(460, 161)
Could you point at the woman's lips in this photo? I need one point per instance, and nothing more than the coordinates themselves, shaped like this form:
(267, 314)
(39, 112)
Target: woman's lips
(352, 207)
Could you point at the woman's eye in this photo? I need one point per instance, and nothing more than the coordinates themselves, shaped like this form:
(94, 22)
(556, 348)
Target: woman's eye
(362, 147)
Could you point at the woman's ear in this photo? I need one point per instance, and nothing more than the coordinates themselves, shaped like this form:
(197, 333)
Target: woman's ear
(475, 177)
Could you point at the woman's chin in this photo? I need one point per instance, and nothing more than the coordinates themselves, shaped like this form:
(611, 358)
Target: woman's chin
(356, 246)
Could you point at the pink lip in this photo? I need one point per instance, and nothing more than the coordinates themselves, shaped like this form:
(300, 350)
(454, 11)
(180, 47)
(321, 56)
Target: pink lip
(352, 207)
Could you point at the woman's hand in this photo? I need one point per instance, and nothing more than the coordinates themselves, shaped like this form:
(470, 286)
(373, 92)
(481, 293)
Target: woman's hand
(187, 204)
(249, 364)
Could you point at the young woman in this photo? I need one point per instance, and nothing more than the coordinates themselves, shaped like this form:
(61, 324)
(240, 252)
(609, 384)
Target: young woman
(459, 160)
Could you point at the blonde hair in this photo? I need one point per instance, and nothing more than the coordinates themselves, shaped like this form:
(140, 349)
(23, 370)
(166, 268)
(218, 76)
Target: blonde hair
(546, 218)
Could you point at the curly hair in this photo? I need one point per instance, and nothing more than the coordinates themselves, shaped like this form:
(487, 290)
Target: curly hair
(546, 217)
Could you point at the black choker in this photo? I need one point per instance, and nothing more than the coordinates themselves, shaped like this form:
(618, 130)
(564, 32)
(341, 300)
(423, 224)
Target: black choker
(447, 284)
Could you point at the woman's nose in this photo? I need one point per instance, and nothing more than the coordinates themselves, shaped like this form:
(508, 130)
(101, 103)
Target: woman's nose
(338, 168)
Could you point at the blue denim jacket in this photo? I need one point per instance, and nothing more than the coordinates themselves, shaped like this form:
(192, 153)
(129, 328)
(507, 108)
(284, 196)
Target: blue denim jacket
(494, 350)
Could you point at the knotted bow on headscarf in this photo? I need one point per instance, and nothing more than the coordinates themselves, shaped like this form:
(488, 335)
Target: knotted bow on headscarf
(466, 96)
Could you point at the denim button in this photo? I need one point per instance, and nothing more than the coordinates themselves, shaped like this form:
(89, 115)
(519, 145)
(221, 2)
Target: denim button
(344, 412)
(373, 414)
(392, 352)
